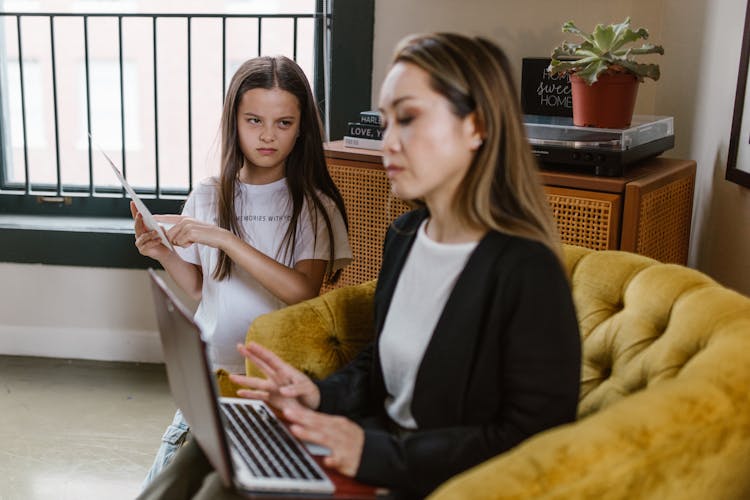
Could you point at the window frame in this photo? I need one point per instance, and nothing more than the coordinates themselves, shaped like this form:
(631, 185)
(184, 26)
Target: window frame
(351, 24)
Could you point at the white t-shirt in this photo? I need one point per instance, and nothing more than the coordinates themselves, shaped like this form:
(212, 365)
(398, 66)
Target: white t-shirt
(424, 285)
(227, 307)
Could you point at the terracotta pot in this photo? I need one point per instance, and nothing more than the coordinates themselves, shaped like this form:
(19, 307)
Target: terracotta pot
(608, 103)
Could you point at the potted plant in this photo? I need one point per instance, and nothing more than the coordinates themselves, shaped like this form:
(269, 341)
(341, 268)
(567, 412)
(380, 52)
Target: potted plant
(604, 76)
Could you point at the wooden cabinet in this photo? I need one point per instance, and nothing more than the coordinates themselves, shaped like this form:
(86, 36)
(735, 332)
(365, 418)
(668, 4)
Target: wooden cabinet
(648, 211)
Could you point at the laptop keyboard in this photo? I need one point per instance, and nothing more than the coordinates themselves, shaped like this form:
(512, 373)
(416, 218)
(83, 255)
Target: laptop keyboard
(264, 444)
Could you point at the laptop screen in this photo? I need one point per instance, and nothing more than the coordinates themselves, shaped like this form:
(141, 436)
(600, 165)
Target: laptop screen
(190, 379)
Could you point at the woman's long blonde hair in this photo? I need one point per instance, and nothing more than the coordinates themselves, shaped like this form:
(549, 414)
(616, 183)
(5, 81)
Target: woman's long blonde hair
(501, 190)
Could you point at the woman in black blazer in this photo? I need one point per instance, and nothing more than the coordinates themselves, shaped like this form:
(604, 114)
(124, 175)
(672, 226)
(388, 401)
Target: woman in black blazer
(477, 345)
(502, 361)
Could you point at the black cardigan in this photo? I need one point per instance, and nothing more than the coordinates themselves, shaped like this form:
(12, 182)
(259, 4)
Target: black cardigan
(503, 364)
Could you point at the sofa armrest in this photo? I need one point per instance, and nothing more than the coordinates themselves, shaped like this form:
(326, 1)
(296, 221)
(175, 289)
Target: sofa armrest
(319, 335)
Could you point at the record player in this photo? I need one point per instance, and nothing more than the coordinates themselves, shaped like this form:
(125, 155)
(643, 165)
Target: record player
(559, 144)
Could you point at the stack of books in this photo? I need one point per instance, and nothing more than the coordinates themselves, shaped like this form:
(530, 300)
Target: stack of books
(365, 133)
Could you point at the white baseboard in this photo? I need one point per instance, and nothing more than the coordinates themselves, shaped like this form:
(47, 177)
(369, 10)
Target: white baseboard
(81, 343)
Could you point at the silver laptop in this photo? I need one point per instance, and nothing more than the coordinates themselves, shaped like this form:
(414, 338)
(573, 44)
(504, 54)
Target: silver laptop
(244, 441)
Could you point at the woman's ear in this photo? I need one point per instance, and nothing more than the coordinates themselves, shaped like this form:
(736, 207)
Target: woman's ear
(474, 131)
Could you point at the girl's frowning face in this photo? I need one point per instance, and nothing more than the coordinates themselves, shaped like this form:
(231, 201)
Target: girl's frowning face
(427, 148)
(267, 128)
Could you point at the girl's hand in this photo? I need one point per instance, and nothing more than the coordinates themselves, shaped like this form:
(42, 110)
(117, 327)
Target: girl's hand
(285, 387)
(343, 437)
(147, 242)
(186, 231)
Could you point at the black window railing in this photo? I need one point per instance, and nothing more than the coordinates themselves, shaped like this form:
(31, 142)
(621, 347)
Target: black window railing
(88, 196)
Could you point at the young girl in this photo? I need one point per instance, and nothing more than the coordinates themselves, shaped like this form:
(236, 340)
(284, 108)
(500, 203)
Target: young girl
(268, 230)
(476, 339)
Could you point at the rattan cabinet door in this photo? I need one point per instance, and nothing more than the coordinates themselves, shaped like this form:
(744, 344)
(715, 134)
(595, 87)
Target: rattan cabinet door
(586, 218)
(657, 217)
(371, 208)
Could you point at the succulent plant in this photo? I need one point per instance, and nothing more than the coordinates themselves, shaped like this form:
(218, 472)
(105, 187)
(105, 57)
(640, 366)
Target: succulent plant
(603, 50)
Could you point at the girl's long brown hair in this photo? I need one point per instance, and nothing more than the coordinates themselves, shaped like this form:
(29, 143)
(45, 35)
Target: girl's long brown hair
(305, 167)
(501, 190)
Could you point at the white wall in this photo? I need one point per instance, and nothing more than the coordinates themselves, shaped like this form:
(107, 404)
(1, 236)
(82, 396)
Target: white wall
(523, 28)
(699, 75)
(699, 91)
(108, 314)
(78, 312)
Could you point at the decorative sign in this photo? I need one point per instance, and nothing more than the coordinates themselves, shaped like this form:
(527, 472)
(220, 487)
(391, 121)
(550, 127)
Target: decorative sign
(542, 93)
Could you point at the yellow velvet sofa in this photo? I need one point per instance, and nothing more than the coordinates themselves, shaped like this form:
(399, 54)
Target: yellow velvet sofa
(665, 385)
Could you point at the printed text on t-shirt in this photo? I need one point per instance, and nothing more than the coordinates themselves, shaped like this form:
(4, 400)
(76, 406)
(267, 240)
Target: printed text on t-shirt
(264, 218)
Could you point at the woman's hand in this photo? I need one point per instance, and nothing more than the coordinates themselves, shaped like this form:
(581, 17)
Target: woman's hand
(343, 437)
(147, 242)
(285, 387)
(185, 231)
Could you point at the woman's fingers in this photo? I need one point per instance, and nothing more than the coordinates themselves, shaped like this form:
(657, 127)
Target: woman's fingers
(186, 231)
(147, 241)
(253, 394)
(262, 365)
(285, 384)
(270, 384)
(309, 434)
(278, 371)
(180, 226)
(255, 383)
(175, 234)
(307, 424)
(306, 417)
(295, 390)
(268, 357)
(170, 218)
(343, 437)
(139, 226)
(142, 239)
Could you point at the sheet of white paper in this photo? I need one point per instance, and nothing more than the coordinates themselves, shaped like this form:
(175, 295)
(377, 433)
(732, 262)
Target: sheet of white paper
(148, 218)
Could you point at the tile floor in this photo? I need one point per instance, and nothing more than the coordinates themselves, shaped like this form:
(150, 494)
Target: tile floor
(77, 430)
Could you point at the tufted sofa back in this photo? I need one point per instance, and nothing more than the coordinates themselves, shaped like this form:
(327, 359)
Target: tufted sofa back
(643, 322)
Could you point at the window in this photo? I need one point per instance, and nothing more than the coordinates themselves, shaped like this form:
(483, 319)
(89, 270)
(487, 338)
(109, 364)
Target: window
(147, 87)
(35, 136)
(147, 82)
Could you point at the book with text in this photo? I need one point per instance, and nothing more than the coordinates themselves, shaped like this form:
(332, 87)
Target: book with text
(364, 130)
(369, 117)
(359, 142)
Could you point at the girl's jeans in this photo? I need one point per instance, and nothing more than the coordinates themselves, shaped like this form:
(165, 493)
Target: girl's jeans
(171, 441)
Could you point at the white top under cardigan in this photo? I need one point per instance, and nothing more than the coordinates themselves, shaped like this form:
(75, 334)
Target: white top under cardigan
(426, 281)
(263, 211)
